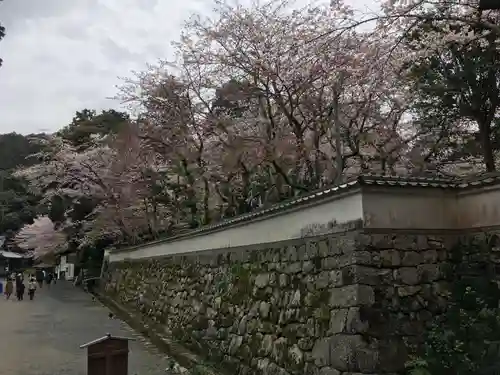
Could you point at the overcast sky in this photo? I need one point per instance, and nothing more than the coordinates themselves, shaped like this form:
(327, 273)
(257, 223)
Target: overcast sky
(61, 56)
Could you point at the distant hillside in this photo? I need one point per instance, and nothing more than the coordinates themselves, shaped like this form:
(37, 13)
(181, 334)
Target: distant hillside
(15, 148)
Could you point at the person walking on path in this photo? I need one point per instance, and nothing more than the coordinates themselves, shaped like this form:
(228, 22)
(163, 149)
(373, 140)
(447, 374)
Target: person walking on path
(48, 279)
(32, 288)
(19, 279)
(39, 278)
(9, 288)
(20, 290)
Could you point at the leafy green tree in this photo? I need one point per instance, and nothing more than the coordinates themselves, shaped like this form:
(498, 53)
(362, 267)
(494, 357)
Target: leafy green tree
(18, 206)
(458, 95)
(16, 150)
(87, 123)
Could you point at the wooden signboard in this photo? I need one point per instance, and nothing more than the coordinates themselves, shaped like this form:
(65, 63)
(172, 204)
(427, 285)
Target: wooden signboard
(107, 355)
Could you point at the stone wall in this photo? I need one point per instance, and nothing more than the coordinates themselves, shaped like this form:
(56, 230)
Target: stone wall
(343, 303)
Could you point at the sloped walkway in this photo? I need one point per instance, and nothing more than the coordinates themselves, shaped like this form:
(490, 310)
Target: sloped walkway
(42, 337)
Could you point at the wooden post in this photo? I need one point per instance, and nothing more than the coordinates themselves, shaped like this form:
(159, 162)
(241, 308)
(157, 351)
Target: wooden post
(107, 355)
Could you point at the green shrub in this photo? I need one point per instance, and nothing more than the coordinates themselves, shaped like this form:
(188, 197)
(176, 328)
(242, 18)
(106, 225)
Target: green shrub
(464, 339)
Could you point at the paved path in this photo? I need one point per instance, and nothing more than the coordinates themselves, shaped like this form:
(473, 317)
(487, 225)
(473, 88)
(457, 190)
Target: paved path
(42, 337)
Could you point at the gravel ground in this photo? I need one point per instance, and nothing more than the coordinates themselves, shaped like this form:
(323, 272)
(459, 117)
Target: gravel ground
(42, 337)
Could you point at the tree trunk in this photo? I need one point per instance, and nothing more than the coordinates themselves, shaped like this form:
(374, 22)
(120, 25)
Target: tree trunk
(486, 148)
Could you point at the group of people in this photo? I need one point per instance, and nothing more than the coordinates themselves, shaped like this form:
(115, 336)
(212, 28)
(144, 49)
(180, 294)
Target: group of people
(48, 277)
(17, 281)
(20, 287)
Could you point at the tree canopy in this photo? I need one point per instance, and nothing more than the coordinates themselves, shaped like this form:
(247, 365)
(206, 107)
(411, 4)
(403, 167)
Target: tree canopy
(17, 150)
(267, 102)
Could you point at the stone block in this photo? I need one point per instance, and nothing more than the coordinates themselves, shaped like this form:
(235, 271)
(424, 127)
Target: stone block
(292, 268)
(365, 258)
(390, 258)
(274, 369)
(442, 255)
(335, 277)
(324, 249)
(329, 371)
(355, 323)
(321, 352)
(357, 274)
(352, 295)
(311, 249)
(338, 319)
(435, 242)
(352, 353)
(406, 275)
(262, 280)
(411, 258)
(331, 263)
(295, 356)
(405, 242)
(334, 247)
(428, 273)
(235, 344)
(322, 280)
(290, 254)
(307, 267)
(343, 244)
(381, 241)
(408, 290)
(430, 256)
(362, 241)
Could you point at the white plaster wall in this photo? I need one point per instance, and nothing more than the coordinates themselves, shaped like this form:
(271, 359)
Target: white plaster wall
(61, 266)
(479, 207)
(286, 225)
(409, 208)
(67, 268)
(70, 271)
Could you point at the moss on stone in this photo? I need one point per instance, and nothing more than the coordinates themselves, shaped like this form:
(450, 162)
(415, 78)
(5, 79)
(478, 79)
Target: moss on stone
(274, 315)
(224, 321)
(201, 323)
(319, 298)
(245, 353)
(267, 327)
(280, 351)
(305, 312)
(322, 314)
(290, 333)
(261, 294)
(316, 261)
(254, 344)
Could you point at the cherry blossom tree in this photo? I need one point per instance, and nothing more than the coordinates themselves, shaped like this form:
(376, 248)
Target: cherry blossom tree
(264, 102)
(41, 236)
(249, 109)
(292, 80)
(101, 172)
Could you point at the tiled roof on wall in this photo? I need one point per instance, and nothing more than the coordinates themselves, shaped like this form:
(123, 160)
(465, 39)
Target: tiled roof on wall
(362, 180)
(436, 182)
(365, 179)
